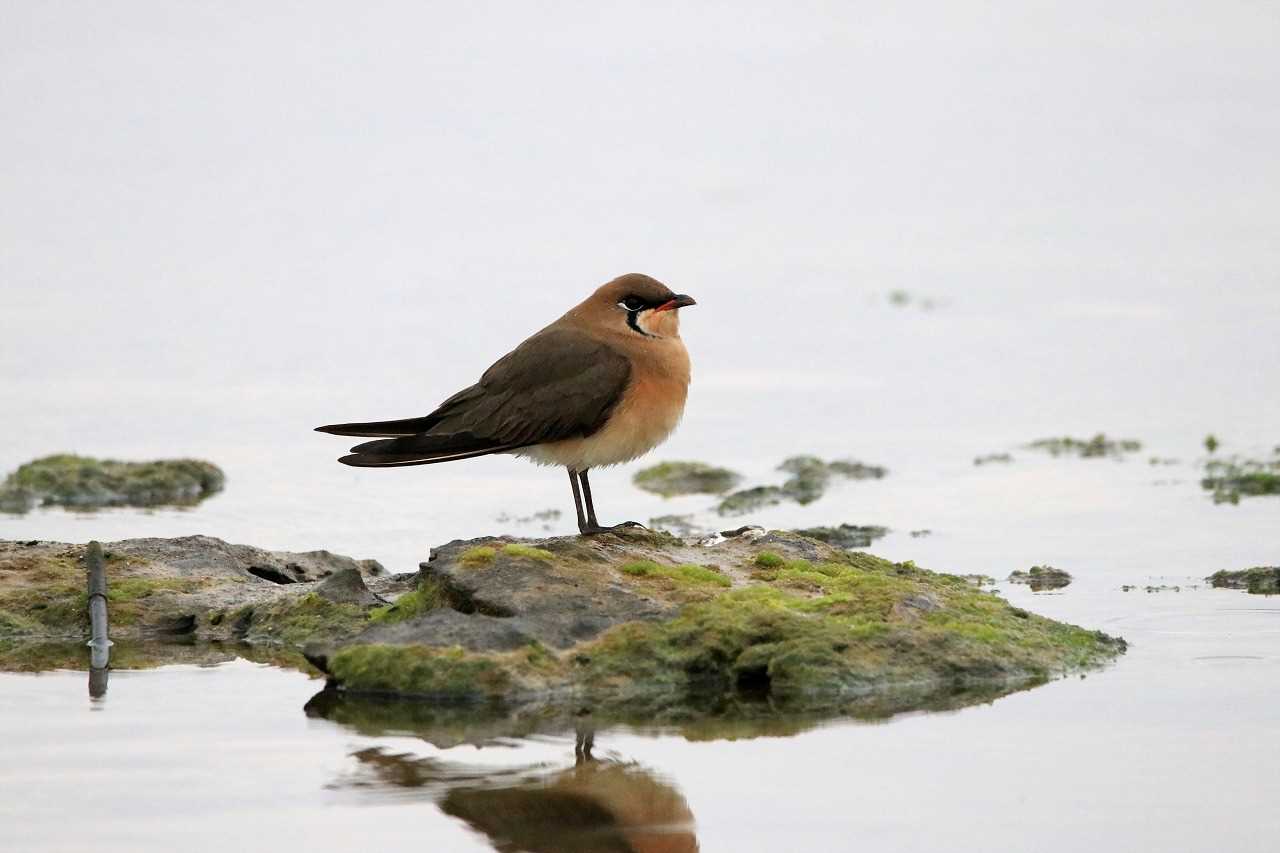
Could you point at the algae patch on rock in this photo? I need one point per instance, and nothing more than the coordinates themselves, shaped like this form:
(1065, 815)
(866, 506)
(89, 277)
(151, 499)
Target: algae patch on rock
(82, 482)
(1260, 580)
(685, 478)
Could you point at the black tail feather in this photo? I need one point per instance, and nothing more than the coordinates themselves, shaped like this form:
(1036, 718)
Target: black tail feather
(382, 429)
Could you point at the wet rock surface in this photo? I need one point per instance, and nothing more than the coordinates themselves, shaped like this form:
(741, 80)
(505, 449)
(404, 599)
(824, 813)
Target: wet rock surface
(81, 482)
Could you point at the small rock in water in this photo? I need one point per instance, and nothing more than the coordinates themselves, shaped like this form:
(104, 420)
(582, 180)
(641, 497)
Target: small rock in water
(685, 478)
(1231, 479)
(1041, 578)
(991, 458)
(1260, 580)
(1097, 447)
(82, 482)
(846, 535)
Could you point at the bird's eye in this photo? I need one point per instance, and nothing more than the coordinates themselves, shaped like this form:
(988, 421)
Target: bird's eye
(632, 303)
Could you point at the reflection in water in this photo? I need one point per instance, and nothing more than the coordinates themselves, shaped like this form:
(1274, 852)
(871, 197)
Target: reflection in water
(594, 806)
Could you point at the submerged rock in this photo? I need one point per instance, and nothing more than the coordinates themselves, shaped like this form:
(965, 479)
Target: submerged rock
(1260, 580)
(85, 483)
(1231, 479)
(846, 535)
(1096, 447)
(1041, 578)
(810, 477)
(992, 458)
(685, 478)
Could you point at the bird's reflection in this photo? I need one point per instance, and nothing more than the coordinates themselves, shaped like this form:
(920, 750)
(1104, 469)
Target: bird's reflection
(592, 806)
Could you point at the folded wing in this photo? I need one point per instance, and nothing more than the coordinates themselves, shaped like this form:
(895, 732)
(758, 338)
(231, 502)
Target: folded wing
(558, 384)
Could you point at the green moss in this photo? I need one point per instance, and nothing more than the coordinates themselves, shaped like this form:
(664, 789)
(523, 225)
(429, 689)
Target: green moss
(419, 671)
(686, 573)
(81, 481)
(297, 621)
(427, 597)
(685, 478)
(527, 551)
(769, 560)
(477, 556)
(838, 626)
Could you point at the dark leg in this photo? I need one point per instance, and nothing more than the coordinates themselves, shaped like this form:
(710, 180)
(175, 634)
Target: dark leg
(586, 494)
(577, 501)
(593, 526)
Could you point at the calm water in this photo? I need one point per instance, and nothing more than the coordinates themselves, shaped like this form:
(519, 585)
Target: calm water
(227, 228)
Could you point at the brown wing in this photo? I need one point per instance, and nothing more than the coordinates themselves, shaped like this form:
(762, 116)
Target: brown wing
(558, 384)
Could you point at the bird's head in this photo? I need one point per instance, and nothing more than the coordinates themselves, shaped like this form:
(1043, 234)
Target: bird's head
(638, 305)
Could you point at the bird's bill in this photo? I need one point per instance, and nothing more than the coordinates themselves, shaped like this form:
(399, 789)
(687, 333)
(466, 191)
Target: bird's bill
(680, 301)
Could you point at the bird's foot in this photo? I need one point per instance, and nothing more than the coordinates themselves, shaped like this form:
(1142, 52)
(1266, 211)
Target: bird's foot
(593, 529)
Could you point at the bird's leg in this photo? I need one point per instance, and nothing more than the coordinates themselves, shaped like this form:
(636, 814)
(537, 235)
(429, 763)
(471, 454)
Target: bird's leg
(592, 525)
(577, 501)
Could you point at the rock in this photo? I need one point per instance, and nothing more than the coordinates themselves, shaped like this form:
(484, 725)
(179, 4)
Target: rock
(1260, 580)
(1096, 447)
(1041, 578)
(346, 586)
(83, 483)
(810, 477)
(992, 458)
(197, 586)
(846, 535)
(632, 622)
(685, 478)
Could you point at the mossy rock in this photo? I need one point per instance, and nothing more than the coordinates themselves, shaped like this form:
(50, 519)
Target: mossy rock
(83, 482)
(1041, 578)
(685, 478)
(1260, 580)
(782, 615)
(1229, 480)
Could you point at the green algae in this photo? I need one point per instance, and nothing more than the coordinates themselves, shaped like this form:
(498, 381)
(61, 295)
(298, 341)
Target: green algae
(528, 552)
(297, 620)
(478, 556)
(449, 673)
(1259, 580)
(1097, 447)
(84, 482)
(686, 573)
(427, 597)
(838, 627)
(685, 478)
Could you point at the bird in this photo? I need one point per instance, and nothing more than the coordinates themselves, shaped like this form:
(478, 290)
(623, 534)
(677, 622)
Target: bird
(602, 385)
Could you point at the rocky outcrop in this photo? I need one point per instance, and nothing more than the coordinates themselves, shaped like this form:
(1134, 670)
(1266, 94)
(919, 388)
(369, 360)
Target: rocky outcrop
(634, 620)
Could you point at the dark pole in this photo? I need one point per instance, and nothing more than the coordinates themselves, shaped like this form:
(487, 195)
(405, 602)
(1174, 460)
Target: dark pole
(99, 643)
